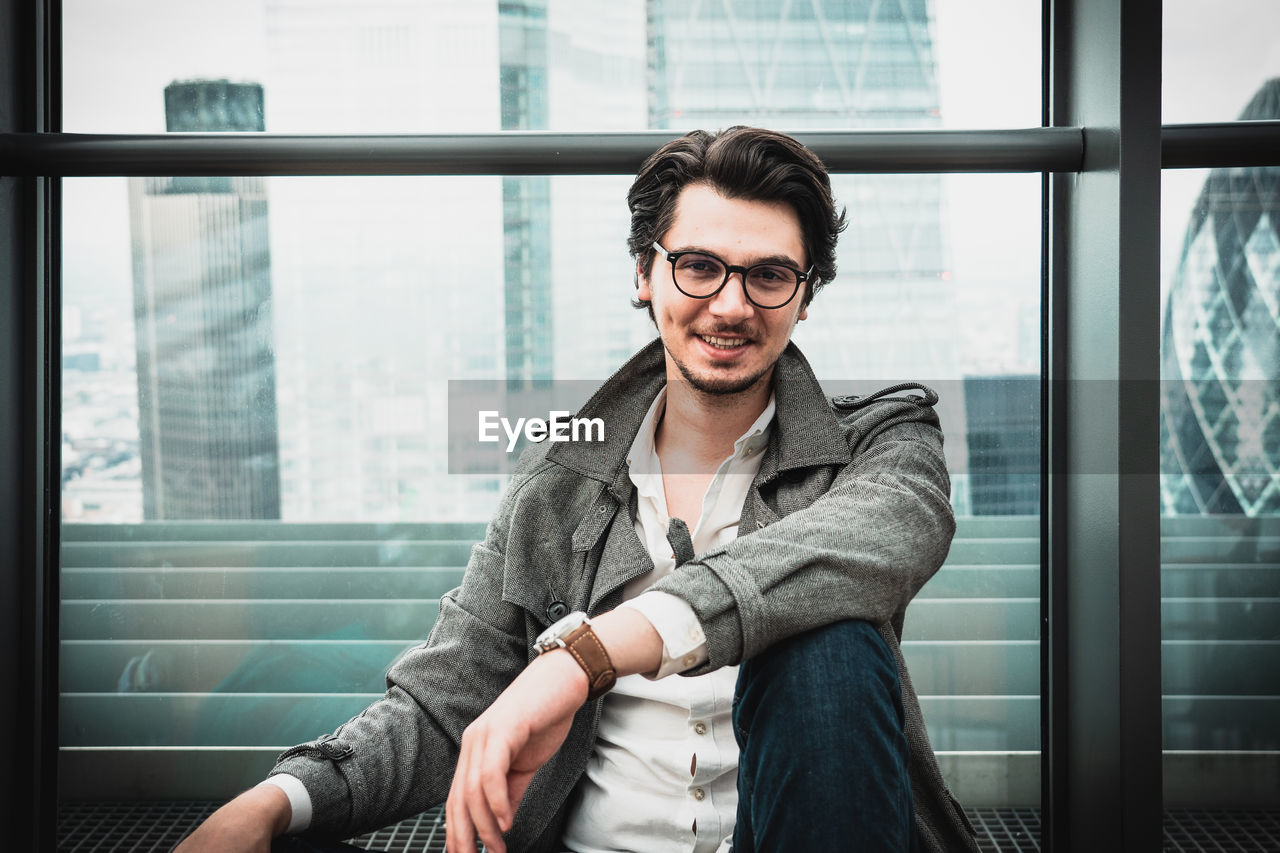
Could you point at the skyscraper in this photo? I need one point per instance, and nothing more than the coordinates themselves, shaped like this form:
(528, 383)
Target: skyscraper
(800, 65)
(1002, 420)
(528, 325)
(202, 312)
(1220, 419)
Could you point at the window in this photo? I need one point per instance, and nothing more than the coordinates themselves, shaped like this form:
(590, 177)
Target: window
(256, 366)
(1219, 429)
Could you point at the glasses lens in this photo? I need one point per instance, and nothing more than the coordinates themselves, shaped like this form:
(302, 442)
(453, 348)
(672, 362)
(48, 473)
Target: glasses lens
(770, 285)
(698, 275)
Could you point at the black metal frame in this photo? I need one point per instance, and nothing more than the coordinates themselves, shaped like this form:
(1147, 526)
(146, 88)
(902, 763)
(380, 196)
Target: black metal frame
(1036, 149)
(30, 101)
(1100, 151)
(511, 152)
(1101, 581)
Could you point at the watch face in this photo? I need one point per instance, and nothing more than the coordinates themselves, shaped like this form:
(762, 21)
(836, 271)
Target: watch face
(561, 629)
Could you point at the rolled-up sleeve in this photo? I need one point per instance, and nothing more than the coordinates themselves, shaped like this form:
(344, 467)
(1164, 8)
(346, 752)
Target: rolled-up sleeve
(684, 645)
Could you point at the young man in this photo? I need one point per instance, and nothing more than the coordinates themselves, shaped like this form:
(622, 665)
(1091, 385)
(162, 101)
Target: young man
(746, 549)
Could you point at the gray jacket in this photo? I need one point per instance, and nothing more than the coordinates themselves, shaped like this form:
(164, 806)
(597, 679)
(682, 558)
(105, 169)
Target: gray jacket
(847, 518)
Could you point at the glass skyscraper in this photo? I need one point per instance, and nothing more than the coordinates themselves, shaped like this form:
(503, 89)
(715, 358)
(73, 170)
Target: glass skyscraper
(802, 65)
(203, 326)
(1220, 424)
(528, 323)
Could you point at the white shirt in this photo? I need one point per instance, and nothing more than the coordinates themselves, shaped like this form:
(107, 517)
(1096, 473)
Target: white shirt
(663, 776)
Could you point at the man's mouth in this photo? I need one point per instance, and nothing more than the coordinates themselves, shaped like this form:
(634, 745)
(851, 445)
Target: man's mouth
(724, 343)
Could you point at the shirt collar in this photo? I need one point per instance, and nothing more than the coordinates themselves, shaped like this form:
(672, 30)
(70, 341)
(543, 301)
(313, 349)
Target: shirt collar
(644, 450)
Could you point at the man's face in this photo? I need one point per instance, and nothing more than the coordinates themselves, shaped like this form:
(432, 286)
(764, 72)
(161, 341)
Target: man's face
(725, 344)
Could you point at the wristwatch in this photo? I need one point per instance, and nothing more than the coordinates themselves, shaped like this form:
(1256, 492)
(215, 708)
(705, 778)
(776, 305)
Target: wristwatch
(574, 634)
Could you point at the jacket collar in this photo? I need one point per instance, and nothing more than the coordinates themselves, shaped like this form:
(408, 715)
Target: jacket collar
(805, 431)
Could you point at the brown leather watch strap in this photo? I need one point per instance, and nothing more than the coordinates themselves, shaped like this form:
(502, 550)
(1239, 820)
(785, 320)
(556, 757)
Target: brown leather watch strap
(590, 654)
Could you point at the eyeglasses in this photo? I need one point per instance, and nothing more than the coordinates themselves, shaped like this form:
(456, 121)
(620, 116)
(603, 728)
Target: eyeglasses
(701, 276)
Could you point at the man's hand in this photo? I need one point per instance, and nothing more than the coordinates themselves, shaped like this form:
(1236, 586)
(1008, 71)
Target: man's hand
(525, 726)
(245, 825)
(506, 745)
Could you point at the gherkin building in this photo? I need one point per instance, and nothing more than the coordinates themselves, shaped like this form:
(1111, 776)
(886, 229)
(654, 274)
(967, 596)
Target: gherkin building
(1220, 419)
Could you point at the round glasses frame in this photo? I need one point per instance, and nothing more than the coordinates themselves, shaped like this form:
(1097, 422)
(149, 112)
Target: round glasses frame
(730, 269)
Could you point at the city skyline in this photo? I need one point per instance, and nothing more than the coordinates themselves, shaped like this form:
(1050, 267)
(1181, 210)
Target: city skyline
(572, 211)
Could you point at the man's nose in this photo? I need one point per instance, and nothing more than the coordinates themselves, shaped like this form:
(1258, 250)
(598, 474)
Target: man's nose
(732, 298)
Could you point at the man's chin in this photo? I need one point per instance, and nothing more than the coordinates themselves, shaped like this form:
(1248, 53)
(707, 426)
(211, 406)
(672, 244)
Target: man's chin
(720, 386)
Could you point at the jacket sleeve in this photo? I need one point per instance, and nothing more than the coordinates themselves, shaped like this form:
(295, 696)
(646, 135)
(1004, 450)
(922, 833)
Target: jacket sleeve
(860, 551)
(397, 757)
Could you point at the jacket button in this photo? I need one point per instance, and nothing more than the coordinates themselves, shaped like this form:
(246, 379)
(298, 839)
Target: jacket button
(557, 611)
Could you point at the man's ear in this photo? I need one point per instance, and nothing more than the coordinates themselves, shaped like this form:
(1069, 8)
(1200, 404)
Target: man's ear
(804, 314)
(642, 284)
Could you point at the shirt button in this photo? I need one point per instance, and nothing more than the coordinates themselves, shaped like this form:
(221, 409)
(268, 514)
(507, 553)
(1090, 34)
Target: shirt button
(700, 727)
(699, 794)
(689, 660)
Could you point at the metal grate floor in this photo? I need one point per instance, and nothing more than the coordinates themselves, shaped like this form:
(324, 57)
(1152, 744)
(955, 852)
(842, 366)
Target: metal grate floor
(157, 827)
(1187, 831)
(1006, 830)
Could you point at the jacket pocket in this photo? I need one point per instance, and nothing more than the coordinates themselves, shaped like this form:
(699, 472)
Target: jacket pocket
(530, 591)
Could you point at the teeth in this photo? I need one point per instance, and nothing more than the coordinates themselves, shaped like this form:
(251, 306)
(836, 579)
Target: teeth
(723, 343)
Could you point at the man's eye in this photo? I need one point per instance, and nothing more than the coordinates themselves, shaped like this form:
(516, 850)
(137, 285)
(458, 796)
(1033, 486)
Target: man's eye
(699, 266)
(771, 275)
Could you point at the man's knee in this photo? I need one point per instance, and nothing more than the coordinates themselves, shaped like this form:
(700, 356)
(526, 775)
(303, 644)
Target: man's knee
(832, 674)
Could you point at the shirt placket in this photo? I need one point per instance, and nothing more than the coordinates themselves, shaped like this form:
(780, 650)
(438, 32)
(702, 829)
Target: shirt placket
(705, 764)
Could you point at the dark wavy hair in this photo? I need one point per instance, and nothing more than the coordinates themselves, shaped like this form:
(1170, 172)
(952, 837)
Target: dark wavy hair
(749, 163)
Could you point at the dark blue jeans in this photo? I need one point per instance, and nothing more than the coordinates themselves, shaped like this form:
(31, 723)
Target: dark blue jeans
(823, 762)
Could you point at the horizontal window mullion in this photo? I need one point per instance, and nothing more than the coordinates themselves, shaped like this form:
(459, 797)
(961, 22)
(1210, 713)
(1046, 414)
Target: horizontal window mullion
(538, 153)
(1223, 145)
(511, 153)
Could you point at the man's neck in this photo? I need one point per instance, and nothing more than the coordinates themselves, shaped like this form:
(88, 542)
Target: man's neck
(698, 429)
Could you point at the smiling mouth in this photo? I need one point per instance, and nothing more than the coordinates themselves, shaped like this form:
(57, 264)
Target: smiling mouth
(724, 343)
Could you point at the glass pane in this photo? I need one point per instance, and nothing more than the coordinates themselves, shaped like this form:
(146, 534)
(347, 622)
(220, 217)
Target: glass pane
(1220, 488)
(440, 66)
(1216, 57)
(258, 510)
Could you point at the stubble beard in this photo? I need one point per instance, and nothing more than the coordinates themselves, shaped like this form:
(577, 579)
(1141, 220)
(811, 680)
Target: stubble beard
(717, 387)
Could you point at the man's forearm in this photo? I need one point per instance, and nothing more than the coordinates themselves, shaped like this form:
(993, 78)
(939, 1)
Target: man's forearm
(632, 643)
(245, 825)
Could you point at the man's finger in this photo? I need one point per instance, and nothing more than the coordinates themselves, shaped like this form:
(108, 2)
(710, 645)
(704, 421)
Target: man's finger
(497, 770)
(459, 833)
(476, 805)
